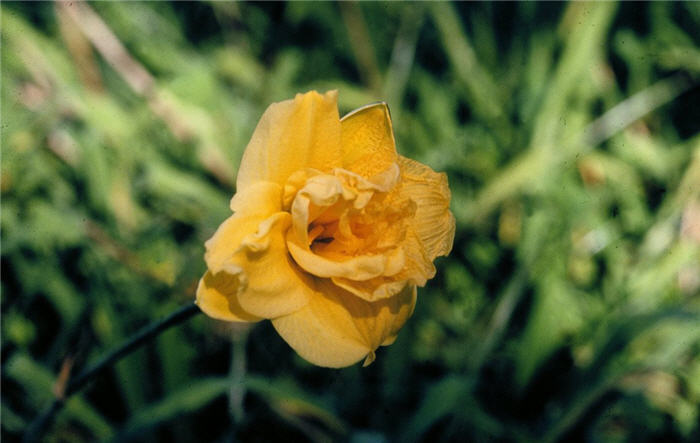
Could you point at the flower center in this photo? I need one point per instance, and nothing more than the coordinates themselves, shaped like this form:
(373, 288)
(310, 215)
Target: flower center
(345, 225)
(343, 230)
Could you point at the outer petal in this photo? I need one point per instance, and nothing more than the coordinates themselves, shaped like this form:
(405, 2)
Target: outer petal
(337, 329)
(368, 140)
(252, 206)
(250, 246)
(261, 198)
(217, 297)
(273, 285)
(433, 223)
(292, 135)
(406, 304)
(377, 321)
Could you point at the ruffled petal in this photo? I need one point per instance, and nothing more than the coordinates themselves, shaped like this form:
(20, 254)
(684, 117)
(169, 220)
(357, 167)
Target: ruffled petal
(227, 238)
(293, 135)
(272, 284)
(416, 271)
(252, 206)
(433, 222)
(217, 297)
(373, 289)
(250, 245)
(337, 329)
(319, 197)
(362, 267)
(368, 140)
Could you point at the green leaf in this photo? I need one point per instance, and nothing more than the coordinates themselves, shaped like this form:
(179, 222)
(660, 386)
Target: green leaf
(284, 393)
(186, 400)
(442, 399)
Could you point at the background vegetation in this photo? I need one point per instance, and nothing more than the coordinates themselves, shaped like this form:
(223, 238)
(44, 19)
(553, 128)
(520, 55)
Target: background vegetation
(568, 309)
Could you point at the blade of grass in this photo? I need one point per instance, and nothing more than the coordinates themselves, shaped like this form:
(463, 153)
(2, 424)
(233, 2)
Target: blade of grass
(535, 162)
(480, 87)
(189, 398)
(402, 57)
(163, 104)
(607, 369)
(362, 46)
(585, 25)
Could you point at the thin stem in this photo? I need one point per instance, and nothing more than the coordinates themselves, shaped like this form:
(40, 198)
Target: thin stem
(500, 318)
(237, 373)
(36, 428)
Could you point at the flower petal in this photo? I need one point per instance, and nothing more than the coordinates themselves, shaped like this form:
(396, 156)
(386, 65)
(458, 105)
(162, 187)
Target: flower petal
(373, 289)
(323, 333)
(251, 246)
(316, 197)
(252, 206)
(368, 140)
(272, 284)
(401, 310)
(260, 198)
(382, 319)
(361, 267)
(226, 240)
(417, 270)
(337, 329)
(217, 297)
(433, 222)
(292, 135)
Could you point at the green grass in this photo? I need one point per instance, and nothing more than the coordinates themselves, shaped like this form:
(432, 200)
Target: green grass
(568, 309)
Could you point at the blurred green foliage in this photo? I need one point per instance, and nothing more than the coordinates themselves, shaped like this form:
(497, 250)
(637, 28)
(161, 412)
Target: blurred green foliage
(568, 309)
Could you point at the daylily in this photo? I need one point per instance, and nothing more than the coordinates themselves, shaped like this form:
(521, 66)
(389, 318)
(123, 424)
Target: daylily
(332, 231)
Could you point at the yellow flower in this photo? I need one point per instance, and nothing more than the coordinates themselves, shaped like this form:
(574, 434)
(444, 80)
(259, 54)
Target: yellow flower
(331, 233)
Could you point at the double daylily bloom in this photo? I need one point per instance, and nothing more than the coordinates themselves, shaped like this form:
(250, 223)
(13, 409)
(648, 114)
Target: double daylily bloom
(331, 234)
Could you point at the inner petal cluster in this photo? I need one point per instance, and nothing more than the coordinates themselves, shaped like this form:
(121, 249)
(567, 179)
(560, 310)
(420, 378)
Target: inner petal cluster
(347, 226)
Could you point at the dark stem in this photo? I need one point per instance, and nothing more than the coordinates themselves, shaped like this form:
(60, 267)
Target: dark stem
(37, 427)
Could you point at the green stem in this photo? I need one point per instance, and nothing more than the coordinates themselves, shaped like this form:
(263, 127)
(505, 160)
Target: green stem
(39, 424)
(237, 375)
(499, 320)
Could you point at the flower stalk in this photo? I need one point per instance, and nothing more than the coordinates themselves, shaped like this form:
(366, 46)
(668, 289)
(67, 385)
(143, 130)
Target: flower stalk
(37, 427)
